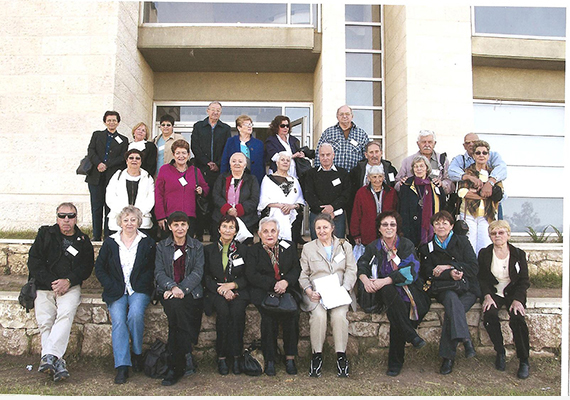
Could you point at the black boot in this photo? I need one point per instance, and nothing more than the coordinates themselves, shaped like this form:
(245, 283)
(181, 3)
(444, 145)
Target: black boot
(138, 362)
(523, 371)
(469, 349)
(223, 366)
(190, 365)
(122, 375)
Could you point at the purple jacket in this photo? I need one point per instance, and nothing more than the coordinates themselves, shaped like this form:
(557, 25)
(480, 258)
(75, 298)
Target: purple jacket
(170, 195)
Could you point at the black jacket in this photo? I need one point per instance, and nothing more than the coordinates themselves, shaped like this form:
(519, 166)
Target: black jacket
(260, 274)
(519, 276)
(201, 143)
(110, 273)
(459, 254)
(248, 199)
(96, 154)
(47, 250)
(320, 190)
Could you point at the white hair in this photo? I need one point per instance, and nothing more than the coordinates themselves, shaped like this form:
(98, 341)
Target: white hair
(425, 132)
(375, 170)
(267, 220)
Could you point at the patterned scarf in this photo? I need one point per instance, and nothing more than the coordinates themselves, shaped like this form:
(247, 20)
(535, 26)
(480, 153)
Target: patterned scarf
(232, 251)
(274, 255)
(388, 266)
(425, 194)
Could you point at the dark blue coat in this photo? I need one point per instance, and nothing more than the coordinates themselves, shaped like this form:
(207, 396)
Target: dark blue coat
(256, 153)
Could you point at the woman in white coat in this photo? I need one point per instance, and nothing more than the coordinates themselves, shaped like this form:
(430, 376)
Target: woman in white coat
(132, 186)
(320, 258)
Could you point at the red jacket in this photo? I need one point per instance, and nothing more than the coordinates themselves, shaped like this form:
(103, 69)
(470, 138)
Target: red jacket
(363, 221)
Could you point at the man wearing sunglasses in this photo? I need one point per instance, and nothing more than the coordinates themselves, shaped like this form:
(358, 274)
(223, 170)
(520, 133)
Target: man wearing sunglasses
(60, 259)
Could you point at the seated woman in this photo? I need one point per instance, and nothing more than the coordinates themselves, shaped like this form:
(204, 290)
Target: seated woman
(389, 267)
(141, 134)
(177, 187)
(371, 200)
(451, 257)
(322, 257)
(178, 274)
(235, 193)
(132, 186)
(226, 293)
(420, 198)
(479, 211)
(124, 267)
(503, 275)
(280, 196)
(273, 266)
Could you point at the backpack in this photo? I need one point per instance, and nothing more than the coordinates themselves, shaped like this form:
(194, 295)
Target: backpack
(156, 360)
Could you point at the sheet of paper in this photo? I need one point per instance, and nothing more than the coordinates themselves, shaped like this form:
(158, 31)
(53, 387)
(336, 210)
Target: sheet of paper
(332, 294)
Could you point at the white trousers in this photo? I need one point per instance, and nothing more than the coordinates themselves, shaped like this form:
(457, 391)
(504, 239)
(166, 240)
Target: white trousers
(478, 232)
(54, 315)
(318, 327)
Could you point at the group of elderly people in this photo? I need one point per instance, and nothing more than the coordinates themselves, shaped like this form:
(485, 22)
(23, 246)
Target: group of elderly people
(409, 256)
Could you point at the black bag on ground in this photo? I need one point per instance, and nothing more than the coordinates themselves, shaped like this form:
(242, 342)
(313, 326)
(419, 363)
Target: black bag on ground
(156, 360)
(251, 366)
(28, 295)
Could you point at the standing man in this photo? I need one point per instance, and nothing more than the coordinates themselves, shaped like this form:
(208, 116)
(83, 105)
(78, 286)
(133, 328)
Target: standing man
(106, 152)
(439, 163)
(164, 141)
(208, 140)
(347, 140)
(60, 259)
(327, 191)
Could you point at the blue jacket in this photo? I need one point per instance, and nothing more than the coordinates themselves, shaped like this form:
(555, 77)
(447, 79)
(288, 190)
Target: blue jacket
(256, 153)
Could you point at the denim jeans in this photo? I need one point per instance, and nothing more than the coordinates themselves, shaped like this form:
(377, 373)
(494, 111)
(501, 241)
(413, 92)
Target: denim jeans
(339, 225)
(127, 317)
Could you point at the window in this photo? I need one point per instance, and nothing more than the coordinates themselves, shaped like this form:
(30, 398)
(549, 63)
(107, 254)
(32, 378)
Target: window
(530, 139)
(364, 71)
(520, 21)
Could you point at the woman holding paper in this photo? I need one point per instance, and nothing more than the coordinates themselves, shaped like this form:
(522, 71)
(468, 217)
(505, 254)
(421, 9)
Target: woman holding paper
(321, 258)
(389, 267)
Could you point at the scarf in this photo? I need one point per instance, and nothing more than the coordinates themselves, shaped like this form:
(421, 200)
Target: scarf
(233, 190)
(425, 194)
(445, 243)
(231, 255)
(471, 206)
(388, 266)
(274, 255)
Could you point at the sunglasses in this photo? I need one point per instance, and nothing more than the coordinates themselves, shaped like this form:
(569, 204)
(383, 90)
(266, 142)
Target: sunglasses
(165, 124)
(68, 215)
(284, 126)
(478, 153)
(386, 224)
(134, 158)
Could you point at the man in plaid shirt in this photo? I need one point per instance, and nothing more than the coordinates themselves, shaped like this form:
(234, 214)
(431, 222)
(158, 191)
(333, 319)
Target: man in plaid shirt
(347, 140)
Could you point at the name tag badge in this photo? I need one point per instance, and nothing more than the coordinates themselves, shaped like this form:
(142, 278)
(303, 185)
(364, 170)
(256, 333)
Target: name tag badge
(118, 139)
(161, 148)
(354, 142)
(517, 267)
(177, 254)
(284, 244)
(338, 212)
(339, 257)
(336, 182)
(435, 172)
(72, 250)
(436, 190)
(430, 247)
(397, 260)
(237, 262)
(391, 177)
(182, 181)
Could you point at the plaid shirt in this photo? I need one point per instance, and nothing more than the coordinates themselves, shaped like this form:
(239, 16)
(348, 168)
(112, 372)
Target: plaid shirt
(347, 152)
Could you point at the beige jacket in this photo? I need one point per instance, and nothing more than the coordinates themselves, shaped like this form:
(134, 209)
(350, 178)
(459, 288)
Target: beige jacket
(315, 264)
(167, 147)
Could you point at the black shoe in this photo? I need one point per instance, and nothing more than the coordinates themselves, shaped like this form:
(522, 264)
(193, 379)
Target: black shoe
(191, 365)
(171, 378)
(316, 365)
(393, 371)
(47, 364)
(523, 371)
(500, 362)
(122, 375)
(223, 366)
(137, 361)
(290, 367)
(469, 349)
(61, 371)
(418, 342)
(446, 366)
(236, 367)
(342, 366)
(269, 368)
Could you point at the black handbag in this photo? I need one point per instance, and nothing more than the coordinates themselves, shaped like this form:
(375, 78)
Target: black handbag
(28, 295)
(302, 165)
(156, 360)
(202, 204)
(85, 166)
(370, 303)
(434, 287)
(250, 366)
(279, 303)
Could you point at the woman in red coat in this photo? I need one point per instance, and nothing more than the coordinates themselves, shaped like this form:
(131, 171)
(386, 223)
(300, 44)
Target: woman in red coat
(371, 200)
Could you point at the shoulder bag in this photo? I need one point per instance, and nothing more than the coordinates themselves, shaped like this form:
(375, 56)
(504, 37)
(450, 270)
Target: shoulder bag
(202, 204)
(84, 167)
(279, 303)
(28, 295)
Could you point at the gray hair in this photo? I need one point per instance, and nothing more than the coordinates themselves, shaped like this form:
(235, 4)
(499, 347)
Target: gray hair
(327, 144)
(267, 220)
(425, 132)
(373, 143)
(419, 158)
(344, 105)
(375, 170)
(215, 102)
(284, 153)
(132, 210)
(66, 204)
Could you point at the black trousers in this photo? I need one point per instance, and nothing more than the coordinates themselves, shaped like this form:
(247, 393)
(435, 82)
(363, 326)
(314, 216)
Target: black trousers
(270, 330)
(454, 328)
(516, 322)
(402, 328)
(184, 322)
(230, 326)
(99, 209)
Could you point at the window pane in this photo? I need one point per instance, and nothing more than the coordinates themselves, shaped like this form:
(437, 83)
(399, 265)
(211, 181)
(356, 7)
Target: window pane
(528, 150)
(521, 212)
(300, 13)
(171, 110)
(535, 181)
(362, 13)
(363, 37)
(299, 112)
(531, 119)
(364, 93)
(369, 120)
(529, 21)
(260, 115)
(363, 65)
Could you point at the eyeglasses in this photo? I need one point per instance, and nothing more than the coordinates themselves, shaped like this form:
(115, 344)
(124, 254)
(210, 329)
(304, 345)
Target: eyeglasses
(478, 153)
(344, 114)
(388, 224)
(498, 233)
(134, 158)
(247, 125)
(68, 215)
(167, 125)
(284, 126)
